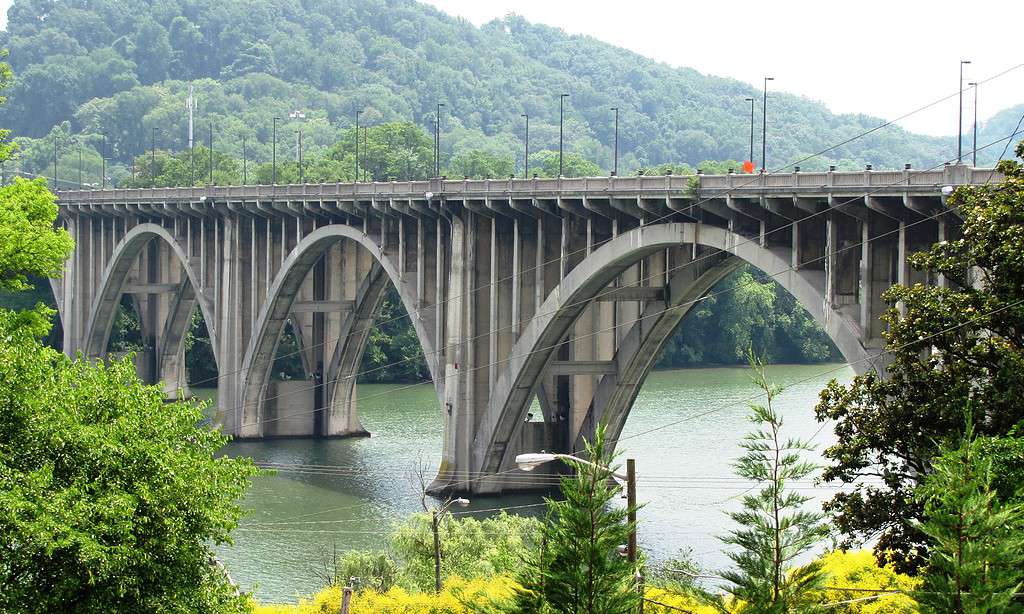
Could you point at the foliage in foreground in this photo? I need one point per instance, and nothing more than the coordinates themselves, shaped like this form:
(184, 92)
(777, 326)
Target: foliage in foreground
(952, 348)
(977, 557)
(578, 567)
(855, 571)
(774, 530)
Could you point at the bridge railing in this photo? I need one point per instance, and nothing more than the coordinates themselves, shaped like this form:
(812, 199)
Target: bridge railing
(626, 186)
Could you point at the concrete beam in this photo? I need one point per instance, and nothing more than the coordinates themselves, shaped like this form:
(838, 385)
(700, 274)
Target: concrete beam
(581, 367)
(632, 293)
(322, 306)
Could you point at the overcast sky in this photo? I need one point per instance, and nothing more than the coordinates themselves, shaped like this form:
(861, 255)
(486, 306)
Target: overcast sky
(881, 58)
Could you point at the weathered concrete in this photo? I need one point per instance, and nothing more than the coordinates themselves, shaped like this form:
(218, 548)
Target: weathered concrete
(559, 291)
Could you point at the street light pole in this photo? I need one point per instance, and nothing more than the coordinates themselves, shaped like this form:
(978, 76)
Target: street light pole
(751, 157)
(974, 147)
(615, 147)
(530, 461)
(764, 126)
(54, 161)
(561, 125)
(435, 526)
(245, 177)
(211, 153)
(960, 117)
(356, 179)
(152, 162)
(79, 164)
(526, 158)
(437, 141)
(103, 163)
(298, 136)
(273, 155)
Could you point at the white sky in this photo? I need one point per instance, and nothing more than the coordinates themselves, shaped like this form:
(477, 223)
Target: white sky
(881, 58)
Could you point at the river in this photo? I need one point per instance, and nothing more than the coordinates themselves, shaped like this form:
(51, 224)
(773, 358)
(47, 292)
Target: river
(684, 432)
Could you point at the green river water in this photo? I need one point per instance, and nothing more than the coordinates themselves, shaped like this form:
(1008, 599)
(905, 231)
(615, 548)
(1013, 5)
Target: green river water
(685, 480)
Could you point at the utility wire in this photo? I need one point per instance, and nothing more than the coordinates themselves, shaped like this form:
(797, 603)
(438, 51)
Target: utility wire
(623, 323)
(654, 221)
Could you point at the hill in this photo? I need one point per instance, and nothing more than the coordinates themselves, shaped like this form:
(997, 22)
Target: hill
(121, 67)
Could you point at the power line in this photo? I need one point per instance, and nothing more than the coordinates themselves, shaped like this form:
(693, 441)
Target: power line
(618, 325)
(597, 244)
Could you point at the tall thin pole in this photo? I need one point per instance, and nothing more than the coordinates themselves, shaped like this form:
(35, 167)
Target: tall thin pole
(526, 159)
(437, 551)
(356, 179)
(751, 156)
(561, 125)
(615, 148)
(80, 164)
(245, 178)
(631, 508)
(437, 141)
(764, 126)
(152, 162)
(103, 163)
(974, 147)
(366, 138)
(302, 175)
(273, 164)
(54, 161)
(960, 117)
(211, 153)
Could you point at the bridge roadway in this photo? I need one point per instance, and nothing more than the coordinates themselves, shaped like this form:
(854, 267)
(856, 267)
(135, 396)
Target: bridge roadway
(540, 304)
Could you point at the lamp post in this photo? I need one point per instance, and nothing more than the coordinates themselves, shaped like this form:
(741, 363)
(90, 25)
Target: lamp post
(561, 126)
(530, 461)
(615, 147)
(80, 164)
(103, 163)
(54, 161)
(245, 177)
(356, 176)
(435, 525)
(764, 125)
(211, 153)
(974, 147)
(273, 155)
(751, 101)
(152, 162)
(960, 117)
(526, 157)
(437, 141)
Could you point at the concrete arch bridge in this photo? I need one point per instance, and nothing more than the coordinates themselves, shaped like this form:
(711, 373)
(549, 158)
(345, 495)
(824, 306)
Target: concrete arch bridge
(559, 290)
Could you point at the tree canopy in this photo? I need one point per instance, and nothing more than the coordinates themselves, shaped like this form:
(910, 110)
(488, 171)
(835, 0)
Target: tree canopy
(120, 69)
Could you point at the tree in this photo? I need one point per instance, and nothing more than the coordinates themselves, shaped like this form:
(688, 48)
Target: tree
(578, 568)
(976, 564)
(477, 164)
(109, 497)
(775, 530)
(954, 347)
(545, 164)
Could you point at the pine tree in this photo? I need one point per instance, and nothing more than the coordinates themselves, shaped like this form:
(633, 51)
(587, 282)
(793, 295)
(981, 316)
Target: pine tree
(775, 530)
(579, 569)
(976, 561)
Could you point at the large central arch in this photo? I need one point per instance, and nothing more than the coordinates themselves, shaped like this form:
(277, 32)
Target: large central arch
(184, 300)
(534, 350)
(266, 333)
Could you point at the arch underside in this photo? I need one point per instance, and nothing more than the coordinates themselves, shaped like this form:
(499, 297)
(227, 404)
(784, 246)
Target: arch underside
(335, 411)
(718, 252)
(165, 312)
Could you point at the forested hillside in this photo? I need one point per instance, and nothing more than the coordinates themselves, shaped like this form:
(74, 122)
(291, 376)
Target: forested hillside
(121, 68)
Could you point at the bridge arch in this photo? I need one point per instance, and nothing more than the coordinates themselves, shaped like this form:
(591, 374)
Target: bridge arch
(535, 348)
(184, 301)
(266, 332)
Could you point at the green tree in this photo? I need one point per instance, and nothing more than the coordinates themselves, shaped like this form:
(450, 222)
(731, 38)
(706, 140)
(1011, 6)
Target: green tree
(578, 567)
(954, 347)
(775, 529)
(477, 164)
(545, 164)
(29, 244)
(976, 565)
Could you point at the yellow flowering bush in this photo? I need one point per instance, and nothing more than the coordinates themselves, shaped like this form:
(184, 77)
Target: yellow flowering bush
(859, 570)
(399, 601)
